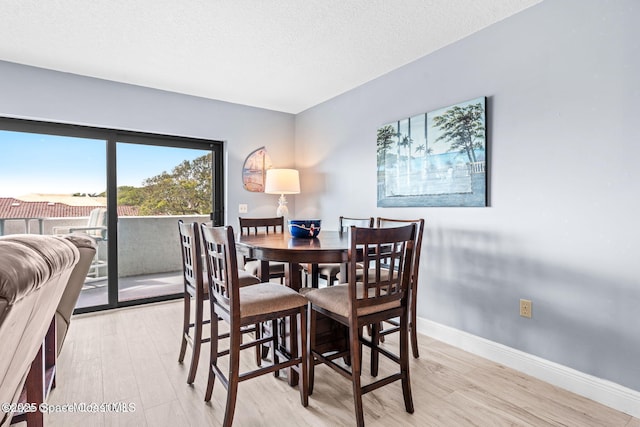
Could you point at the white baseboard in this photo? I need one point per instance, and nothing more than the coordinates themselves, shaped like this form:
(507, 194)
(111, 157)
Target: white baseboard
(602, 391)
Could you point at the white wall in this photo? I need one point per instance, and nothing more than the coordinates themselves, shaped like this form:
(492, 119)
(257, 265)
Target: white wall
(562, 81)
(38, 94)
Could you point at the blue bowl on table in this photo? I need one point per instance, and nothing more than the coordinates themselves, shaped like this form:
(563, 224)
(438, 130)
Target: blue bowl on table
(308, 228)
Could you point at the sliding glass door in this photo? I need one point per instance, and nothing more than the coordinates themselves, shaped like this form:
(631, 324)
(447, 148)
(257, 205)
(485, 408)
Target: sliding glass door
(127, 190)
(157, 186)
(53, 184)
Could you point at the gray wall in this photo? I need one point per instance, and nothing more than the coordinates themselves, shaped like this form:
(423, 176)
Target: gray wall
(33, 93)
(563, 87)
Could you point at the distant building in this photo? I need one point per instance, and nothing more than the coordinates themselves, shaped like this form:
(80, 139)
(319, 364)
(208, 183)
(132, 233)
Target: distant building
(15, 208)
(66, 199)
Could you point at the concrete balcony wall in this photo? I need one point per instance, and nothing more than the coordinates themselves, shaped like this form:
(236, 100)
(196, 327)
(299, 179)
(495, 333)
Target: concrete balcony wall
(146, 244)
(150, 244)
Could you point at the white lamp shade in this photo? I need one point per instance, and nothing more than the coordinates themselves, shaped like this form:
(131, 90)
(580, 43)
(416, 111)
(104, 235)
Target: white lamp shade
(282, 181)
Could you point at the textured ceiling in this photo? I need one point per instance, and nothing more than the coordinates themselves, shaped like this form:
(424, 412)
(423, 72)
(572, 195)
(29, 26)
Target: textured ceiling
(284, 55)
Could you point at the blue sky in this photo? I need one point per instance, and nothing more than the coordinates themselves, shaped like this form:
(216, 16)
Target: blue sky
(37, 163)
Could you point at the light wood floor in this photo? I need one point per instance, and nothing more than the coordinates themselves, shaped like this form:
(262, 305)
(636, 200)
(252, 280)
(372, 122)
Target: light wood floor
(130, 356)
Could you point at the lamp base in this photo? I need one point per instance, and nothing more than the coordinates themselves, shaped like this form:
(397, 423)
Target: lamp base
(282, 210)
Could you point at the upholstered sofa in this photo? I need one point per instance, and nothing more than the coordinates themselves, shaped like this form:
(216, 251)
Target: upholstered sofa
(34, 273)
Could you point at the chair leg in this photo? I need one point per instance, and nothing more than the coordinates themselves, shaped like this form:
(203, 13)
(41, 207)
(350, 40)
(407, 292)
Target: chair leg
(234, 366)
(185, 326)
(375, 355)
(258, 327)
(293, 345)
(304, 370)
(213, 359)
(412, 326)
(354, 346)
(197, 342)
(369, 331)
(331, 280)
(404, 364)
(265, 351)
(262, 348)
(274, 345)
(310, 346)
(315, 275)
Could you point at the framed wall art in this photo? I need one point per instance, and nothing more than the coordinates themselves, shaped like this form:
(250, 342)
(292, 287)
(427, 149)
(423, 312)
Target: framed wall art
(434, 159)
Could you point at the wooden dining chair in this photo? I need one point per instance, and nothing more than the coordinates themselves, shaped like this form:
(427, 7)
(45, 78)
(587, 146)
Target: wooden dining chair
(330, 272)
(196, 288)
(244, 306)
(413, 284)
(376, 298)
(249, 226)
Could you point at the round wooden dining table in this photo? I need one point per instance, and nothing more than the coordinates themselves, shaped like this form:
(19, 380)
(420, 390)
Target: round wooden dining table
(327, 247)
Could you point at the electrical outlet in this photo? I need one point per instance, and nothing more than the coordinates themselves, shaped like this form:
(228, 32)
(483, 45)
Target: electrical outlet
(243, 208)
(525, 308)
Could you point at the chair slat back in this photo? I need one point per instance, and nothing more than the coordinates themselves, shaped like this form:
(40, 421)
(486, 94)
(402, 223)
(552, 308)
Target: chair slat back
(378, 248)
(250, 226)
(222, 267)
(346, 223)
(388, 222)
(191, 258)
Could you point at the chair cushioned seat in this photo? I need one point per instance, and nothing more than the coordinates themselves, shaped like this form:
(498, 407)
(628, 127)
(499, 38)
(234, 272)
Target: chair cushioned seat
(384, 274)
(328, 270)
(336, 300)
(246, 279)
(267, 298)
(274, 267)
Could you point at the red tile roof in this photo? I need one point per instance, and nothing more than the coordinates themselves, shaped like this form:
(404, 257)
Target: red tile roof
(14, 208)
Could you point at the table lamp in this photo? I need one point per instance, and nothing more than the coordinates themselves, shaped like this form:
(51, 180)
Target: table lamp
(282, 181)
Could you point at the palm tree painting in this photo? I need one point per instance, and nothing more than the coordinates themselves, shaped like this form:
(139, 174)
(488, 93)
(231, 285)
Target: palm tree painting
(434, 159)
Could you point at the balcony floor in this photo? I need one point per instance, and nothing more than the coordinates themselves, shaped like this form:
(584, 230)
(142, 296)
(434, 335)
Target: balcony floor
(132, 288)
(138, 287)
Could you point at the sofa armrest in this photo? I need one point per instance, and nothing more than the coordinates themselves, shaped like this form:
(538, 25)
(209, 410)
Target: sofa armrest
(87, 248)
